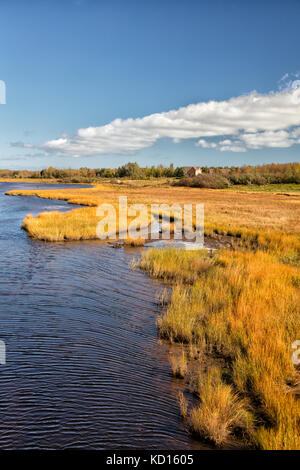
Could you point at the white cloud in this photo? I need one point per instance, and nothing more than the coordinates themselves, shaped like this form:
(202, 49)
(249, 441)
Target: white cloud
(248, 121)
(206, 145)
(268, 139)
(226, 145)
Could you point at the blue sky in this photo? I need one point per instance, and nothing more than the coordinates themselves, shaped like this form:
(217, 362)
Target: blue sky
(72, 65)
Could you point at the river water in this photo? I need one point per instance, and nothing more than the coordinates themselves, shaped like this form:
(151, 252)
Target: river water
(84, 367)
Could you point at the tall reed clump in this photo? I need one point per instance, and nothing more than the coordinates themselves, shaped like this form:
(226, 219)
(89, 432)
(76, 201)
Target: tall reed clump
(221, 411)
(245, 308)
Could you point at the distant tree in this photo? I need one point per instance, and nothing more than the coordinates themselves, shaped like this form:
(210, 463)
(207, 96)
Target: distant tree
(179, 172)
(130, 170)
(205, 169)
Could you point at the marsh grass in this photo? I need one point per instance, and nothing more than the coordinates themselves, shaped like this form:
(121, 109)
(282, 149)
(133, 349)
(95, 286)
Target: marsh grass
(163, 297)
(175, 265)
(179, 364)
(244, 307)
(78, 224)
(285, 246)
(260, 220)
(134, 242)
(221, 412)
(183, 405)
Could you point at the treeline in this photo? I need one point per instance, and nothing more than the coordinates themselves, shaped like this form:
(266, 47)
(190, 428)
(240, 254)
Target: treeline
(211, 177)
(224, 177)
(84, 175)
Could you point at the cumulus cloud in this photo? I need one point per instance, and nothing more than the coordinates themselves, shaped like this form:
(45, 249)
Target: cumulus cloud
(245, 122)
(268, 139)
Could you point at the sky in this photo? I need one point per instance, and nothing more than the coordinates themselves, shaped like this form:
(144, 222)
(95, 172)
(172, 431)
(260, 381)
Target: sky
(100, 83)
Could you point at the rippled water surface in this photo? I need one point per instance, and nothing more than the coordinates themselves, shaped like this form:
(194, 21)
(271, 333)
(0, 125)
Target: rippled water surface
(84, 366)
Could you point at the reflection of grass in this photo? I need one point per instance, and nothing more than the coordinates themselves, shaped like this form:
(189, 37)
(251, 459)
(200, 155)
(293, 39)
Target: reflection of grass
(243, 307)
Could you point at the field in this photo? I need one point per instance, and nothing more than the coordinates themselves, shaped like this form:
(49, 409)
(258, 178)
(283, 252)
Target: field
(257, 220)
(272, 188)
(233, 315)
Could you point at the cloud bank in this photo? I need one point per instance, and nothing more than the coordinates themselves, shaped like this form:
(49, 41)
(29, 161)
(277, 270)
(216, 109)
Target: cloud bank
(250, 121)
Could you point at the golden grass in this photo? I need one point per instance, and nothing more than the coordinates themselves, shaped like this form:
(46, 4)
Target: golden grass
(229, 209)
(256, 220)
(221, 411)
(78, 224)
(179, 364)
(244, 306)
(183, 405)
(134, 242)
(171, 265)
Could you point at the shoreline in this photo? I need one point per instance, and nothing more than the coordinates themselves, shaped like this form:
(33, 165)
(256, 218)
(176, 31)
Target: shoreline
(260, 266)
(213, 350)
(81, 223)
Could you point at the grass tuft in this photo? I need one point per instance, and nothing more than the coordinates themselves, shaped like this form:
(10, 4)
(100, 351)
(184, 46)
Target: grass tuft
(134, 242)
(221, 412)
(179, 365)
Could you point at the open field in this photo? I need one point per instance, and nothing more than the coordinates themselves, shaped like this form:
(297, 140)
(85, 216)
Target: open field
(235, 315)
(222, 207)
(92, 181)
(270, 188)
